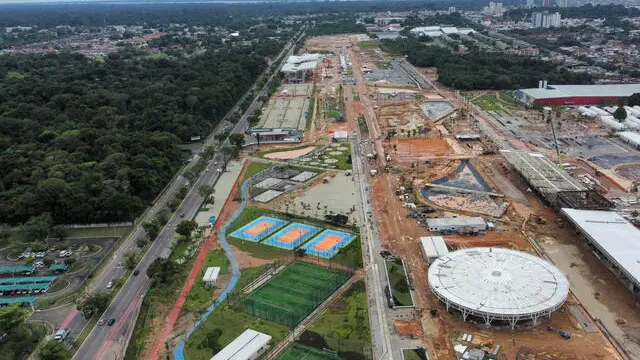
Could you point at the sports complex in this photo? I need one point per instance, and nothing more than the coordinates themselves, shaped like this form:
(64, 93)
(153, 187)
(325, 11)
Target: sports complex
(271, 231)
(293, 293)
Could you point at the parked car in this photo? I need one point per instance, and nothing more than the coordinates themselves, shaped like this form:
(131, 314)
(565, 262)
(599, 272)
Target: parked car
(110, 285)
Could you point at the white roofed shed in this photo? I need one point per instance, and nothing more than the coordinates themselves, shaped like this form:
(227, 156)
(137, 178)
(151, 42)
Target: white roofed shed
(249, 345)
(433, 247)
(211, 276)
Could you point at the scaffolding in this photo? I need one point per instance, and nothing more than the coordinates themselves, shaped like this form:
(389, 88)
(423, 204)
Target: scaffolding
(584, 200)
(543, 175)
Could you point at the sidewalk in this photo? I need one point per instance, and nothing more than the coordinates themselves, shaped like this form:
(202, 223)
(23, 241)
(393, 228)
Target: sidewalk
(222, 189)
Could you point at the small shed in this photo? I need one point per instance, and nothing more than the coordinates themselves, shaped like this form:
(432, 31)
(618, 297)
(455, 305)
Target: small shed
(211, 276)
(433, 247)
(340, 136)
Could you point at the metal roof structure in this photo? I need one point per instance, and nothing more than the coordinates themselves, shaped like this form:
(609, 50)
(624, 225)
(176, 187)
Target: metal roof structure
(244, 347)
(17, 300)
(211, 274)
(15, 269)
(562, 91)
(433, 247)
(498, 284)
(543, 175)
(475, 221)
(27, 280)
(613, 236)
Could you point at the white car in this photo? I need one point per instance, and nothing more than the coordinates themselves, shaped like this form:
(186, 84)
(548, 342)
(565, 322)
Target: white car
(110, 285)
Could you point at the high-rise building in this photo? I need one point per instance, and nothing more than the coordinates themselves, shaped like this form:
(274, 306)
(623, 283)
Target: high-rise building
(531, 3)
(494, 9)
(545, 20)
(562, 3)
(452, 9)
(546, 3)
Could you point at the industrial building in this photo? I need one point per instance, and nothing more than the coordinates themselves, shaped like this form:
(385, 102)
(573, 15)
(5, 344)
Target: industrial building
(437, 31)
(615, 241)
(299, 69)
(558, 95)
(433, 247)
(211, 276)
(463, 225)
(249, 345)
(498, 285)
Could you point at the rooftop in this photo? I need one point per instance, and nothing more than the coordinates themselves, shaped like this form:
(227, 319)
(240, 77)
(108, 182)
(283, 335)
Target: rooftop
(613, 235)
(546, 177)
(560, 91)
(498, 281)
(244, 346)
(463, 220)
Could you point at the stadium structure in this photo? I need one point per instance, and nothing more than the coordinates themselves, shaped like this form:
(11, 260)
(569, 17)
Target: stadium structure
(498, 285)
(558, 95)
(555, 185)
(614, 240)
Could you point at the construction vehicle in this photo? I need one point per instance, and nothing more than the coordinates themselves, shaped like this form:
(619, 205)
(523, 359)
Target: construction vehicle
(564, 334)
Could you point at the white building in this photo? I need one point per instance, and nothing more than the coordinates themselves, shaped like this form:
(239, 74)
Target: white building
(340, 136)
(249, 345)
(632, 138)
(433, 247)
(545, 20)
(457, 224)
(211, 276)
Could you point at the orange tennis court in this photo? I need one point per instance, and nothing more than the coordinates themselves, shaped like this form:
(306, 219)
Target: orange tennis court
(258, 229)
(292, 236)
(328, 243)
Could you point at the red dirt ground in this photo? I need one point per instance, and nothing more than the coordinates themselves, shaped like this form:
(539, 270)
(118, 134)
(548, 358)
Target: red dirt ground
(419, 147)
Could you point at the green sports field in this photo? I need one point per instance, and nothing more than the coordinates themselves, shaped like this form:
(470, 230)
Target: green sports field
(294, 292)
(301, 352)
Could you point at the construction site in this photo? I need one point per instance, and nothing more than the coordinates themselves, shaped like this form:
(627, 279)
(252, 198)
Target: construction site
(434, 157)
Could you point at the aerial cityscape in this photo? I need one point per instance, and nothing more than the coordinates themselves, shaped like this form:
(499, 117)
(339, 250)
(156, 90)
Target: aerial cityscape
(310, 180)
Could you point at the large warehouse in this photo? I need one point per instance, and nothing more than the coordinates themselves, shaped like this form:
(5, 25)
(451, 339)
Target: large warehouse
(557, 95)
(614, 239)
(496, 284)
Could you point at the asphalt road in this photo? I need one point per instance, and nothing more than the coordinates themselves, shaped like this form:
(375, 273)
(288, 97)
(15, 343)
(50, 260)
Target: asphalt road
(110, 342)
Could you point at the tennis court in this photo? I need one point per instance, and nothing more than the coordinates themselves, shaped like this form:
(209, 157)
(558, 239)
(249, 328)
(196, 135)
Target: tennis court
(328, 243)
(292, 236)
(258, 229)
(303, 352)
(294, 292)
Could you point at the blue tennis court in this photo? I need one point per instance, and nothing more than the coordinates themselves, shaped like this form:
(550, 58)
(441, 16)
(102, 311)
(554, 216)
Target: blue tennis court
(328, 243)
(292, 236)
(259, 229)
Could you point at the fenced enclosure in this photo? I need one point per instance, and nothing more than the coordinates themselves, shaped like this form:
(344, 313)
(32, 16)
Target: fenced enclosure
(302, 352)
(258, 229)
(294, 293)
(292, 235)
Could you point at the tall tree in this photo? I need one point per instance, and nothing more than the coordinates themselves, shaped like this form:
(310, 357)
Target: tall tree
(37, 227)
(620, 114)
(54, 350)
(11, 317)
(186, 227)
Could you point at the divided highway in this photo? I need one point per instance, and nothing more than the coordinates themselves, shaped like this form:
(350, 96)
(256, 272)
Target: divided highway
(110, 342)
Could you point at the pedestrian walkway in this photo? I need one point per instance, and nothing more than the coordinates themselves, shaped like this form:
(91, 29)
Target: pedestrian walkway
(222, 189)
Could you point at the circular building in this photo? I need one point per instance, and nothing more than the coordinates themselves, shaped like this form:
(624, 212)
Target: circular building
(498, 284)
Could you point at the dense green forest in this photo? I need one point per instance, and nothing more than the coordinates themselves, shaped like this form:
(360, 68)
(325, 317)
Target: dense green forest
(346, 26)
(588, 11)
(94, 140)
(481, 70)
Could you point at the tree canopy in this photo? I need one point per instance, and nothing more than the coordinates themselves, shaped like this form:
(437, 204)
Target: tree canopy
(480, 70)
(95, 140)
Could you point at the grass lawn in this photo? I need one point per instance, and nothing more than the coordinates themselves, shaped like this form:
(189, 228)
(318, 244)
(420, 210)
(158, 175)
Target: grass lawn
(201, 296)
(345, 327)
(351, 255)
(226, 323)
(299, 351)
(372, 44)
(399, 287)
(254, 168)
(342, 163)
(496, 102)
(414, 354)
(96, 232)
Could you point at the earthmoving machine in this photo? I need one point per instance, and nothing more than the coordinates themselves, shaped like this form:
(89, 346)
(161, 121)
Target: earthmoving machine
(564, 334)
